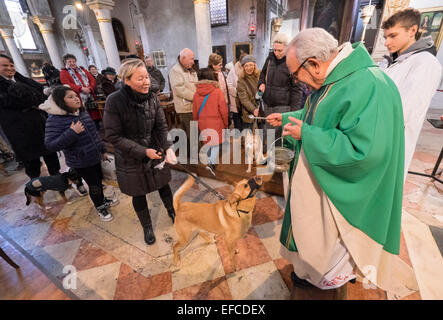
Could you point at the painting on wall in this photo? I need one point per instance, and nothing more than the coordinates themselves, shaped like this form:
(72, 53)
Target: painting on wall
(220, 50)
(35, 68)
(431, 24)
(328, 15)
(241, 47)
(120, 37)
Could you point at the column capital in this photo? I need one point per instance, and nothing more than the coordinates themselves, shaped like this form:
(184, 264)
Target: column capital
(102, 10)
(100, 4)
(7, 31)
(201, 1)
(44, 23)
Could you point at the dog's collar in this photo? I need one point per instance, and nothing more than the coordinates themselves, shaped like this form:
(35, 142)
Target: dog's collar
(254, 188)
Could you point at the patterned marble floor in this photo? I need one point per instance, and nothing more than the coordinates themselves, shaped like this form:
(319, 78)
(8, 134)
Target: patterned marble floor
(111, 260)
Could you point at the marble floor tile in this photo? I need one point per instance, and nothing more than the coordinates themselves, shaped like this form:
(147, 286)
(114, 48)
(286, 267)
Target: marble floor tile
(280, 201)
(134, 286)
(200, 262)
(425, 256)
(59, 232)
(357, 291)
(167, 296)
(129, 254)
(285, 268)
(33, 214)
(55, 257)
(216, 289)
(262, 282)
(98, 283)
(266, 210)
(414, 296)
(250, 252)
(90, 256)
(29, 236)
(269, 234)
(404, 254)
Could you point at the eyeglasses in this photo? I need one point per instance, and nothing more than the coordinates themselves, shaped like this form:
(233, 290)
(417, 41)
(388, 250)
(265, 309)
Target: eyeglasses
(294, 75)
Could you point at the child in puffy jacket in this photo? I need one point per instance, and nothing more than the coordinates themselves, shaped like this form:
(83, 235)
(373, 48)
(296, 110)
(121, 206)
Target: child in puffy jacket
(69, 128)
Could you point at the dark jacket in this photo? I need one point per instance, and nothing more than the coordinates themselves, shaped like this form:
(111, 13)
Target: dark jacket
(280, 89)
(109, 86)
(134, 123)
(157, 79)
(22, 122)
(52, 75)
(81, 150)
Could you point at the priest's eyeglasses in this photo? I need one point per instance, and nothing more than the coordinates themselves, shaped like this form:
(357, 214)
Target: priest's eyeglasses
(294, 75)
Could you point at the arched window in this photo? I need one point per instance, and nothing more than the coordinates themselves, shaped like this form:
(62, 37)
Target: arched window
(22, 34)
(120, 36)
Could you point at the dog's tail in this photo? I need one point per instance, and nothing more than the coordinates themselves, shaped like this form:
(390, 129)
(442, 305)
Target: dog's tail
(28, 197)
(181, 191)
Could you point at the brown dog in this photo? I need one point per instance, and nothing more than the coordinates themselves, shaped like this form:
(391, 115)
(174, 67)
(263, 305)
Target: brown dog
(230, 218)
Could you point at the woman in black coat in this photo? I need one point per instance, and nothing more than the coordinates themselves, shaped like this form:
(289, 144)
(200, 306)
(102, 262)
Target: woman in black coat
(136, 126)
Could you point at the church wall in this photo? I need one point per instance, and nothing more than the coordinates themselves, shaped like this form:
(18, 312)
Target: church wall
(237, 30)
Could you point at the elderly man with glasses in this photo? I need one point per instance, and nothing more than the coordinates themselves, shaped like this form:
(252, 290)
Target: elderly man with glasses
(344, 199)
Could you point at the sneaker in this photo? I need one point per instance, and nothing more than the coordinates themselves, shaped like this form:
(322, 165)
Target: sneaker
(104, 214)
(211, 168)
(111, 202)
(82, 190)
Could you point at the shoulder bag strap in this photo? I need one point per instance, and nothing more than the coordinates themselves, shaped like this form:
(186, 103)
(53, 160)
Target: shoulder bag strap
(203, 104)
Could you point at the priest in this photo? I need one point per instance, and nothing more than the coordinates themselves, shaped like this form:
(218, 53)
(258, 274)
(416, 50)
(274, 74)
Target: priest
(343, 212)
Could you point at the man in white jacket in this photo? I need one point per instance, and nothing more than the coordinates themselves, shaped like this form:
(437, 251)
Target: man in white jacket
(414, 69)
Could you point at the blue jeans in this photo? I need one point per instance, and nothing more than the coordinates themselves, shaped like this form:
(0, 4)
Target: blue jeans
(213, 154)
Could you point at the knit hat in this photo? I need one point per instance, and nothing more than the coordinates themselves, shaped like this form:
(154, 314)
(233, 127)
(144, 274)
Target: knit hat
(108, 70)
(246, 59)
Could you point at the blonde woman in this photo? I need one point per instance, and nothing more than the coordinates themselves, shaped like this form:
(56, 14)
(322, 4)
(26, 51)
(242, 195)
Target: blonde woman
(215, 63)
(246, 90)
(136, 126)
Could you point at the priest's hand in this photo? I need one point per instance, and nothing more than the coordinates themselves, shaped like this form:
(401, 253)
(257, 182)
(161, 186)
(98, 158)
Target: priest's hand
(274, 119)
(293, 128)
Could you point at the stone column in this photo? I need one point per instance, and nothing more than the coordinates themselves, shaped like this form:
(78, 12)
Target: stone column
(311, 12)
(45, 26)
(304, 15)
(143, 33)
(7, 33)
(102, 10)
(93, 46)
(203, 27)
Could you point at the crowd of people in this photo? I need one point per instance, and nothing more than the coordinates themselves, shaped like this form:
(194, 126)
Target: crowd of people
(348, 120)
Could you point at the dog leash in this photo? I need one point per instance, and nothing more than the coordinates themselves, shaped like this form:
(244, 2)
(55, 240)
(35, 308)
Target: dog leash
(216, 193)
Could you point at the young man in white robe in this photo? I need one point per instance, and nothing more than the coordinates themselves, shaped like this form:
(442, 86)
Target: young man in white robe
(414, 69)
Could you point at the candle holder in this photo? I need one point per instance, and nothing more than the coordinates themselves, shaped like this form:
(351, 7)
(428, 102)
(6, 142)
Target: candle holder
(366, 15)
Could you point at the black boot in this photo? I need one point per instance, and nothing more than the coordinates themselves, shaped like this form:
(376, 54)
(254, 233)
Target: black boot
(145, 220)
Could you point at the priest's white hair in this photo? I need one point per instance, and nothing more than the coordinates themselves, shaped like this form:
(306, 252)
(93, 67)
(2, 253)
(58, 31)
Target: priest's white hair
(314, 42)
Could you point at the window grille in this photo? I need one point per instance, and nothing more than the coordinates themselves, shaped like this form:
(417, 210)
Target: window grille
(219, 12)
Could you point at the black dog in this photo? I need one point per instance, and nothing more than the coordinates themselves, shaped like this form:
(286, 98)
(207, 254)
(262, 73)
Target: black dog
(37, 187)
